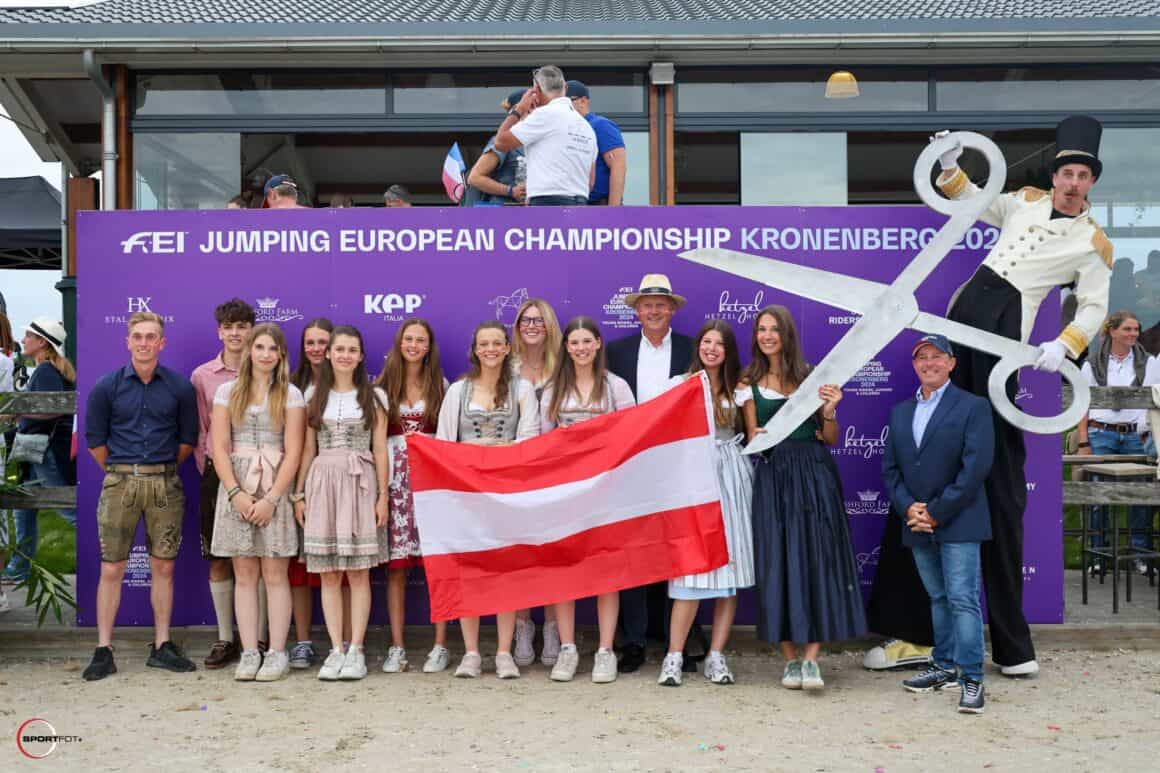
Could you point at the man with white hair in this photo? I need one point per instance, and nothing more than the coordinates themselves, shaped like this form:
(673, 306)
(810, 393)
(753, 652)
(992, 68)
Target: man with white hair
(559, 144)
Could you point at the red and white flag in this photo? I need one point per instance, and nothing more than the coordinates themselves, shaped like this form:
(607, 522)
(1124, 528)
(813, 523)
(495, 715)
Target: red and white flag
(615, 502)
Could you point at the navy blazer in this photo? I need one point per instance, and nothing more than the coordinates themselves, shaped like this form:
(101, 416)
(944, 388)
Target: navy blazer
(947, 470)
(623, 352)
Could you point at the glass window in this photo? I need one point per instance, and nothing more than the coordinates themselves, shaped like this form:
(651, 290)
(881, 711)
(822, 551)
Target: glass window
(478, 92)
(186, 171)
(793, 169)
(1049, 88)
(636, 182)
(244, 92)
(797, 91)
(708, 168)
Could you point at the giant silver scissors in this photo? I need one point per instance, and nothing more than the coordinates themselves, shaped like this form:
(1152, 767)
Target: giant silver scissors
(887, 310)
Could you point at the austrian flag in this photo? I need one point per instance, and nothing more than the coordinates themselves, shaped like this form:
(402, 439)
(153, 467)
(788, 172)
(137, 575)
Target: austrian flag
(618, 501)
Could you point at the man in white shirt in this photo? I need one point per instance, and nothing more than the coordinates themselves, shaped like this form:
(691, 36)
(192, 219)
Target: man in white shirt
(559, 143)
(1121, 361)
(647, 361)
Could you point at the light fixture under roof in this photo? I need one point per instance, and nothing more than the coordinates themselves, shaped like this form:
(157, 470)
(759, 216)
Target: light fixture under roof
(841, 85)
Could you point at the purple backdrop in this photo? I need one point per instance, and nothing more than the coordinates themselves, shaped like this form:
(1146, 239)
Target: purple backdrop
(373, 268)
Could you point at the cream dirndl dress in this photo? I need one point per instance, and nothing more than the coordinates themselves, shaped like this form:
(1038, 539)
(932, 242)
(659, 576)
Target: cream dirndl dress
(256, 454)
(341, 489)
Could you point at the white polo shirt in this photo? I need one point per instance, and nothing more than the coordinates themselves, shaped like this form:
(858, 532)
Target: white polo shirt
(652, 367)
(560, 148)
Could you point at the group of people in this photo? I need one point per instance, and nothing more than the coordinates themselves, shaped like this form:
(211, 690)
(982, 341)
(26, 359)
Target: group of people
(305, 480)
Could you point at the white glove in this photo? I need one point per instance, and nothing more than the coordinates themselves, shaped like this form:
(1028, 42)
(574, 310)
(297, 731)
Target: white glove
(950, 159)
(1051, 354)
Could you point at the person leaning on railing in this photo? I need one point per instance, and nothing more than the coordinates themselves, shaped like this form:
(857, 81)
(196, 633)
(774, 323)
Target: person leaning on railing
(44, 342)
(1120, 362)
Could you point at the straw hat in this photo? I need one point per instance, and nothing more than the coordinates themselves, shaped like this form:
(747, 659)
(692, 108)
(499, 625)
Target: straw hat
(50, 331)
(654, 285)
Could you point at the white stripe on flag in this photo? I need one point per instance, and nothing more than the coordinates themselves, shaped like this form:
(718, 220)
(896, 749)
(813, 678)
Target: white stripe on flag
(667, 477)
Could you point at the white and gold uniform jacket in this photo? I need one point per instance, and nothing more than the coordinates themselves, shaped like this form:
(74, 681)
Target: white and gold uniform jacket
(1035, 254)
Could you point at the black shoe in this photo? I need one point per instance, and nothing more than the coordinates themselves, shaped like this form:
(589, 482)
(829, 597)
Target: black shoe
(971, 701)
(631, 658)
(101, 665)
(932, 679)
(167, 656)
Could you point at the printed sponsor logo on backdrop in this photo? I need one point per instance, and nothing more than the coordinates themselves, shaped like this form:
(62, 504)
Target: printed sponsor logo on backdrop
(617, 314)
(135, 304)
(137, 573)
(392, 307)
(841, 320)
(506, 306)
(1031, 484)
(857, 443)
(155, 243)
(869, 502)
(268, 311)
(871, 381)
(736, 309)
(1029, 572)
(866, 563)
(1023, 394)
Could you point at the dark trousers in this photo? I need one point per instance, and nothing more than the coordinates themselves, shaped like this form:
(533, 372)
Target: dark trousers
(899, 605)
(990, 303)
(634, 615)
(558, 201)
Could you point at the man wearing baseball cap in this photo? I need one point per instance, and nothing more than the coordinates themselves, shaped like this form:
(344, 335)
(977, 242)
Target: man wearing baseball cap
(611, 160)
(281, 192)
(938, 453)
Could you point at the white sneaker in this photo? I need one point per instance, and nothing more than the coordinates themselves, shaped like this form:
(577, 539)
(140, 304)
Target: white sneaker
(332, 666)
(396, 661)
(471, 667)
(671, 670)
(275, 666)
(717, 670)
(566, 662)
(438, 659)
(604, 669)
(1029, 668)
(551, 649)
(505, 666)
(525, 653)
(248, 666)
(354, 666)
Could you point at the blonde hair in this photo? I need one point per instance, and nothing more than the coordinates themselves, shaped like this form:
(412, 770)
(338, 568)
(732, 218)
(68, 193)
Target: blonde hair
(146, 316)
(279, 380)
(62, 364)
(552, 336)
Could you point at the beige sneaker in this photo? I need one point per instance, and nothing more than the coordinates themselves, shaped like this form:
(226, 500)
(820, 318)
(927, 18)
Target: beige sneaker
(567, 659)
(505, 666)
(248, 666)
(604, 669)
(471, 667)
(275, 666)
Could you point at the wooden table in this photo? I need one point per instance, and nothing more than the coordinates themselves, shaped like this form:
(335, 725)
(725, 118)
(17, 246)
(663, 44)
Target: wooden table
(1118, 472)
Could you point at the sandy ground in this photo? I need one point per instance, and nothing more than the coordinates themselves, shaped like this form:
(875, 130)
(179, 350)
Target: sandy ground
(1086, 711)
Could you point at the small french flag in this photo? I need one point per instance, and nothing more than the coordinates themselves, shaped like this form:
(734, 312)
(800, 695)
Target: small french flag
(453, 173)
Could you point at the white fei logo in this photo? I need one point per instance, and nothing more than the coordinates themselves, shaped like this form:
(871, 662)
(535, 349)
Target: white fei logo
(155, 243)
(390, 304)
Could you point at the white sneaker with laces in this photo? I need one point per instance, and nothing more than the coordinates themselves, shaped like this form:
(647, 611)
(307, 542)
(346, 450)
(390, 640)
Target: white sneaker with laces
(604, 669)
(396, 661)
(505, 666)
(566, 662)
(354, 666)
(248, 666)
(671, 670)
(551, 649)
(332, 666)
(524, 653)
(471, 667)
(275, 666)
(1028, 668)
(438, 659)
(717, 670)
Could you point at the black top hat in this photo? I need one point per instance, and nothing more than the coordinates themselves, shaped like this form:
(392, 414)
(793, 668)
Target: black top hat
(1078, 140)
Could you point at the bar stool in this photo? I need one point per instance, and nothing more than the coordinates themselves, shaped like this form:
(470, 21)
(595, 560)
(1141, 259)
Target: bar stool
(1115, 553)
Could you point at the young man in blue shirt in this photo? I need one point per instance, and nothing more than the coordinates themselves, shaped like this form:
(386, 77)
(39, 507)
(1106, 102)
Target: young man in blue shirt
(611, 159)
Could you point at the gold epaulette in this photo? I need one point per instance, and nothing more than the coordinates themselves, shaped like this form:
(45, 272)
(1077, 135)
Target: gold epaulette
(1101, 244)
(1031, 193)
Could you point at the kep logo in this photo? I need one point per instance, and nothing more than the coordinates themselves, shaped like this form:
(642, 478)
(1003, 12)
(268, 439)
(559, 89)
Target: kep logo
(390, 303)
(155, 243)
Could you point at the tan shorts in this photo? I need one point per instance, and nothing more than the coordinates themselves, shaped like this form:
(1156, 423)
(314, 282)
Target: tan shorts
(125, 498)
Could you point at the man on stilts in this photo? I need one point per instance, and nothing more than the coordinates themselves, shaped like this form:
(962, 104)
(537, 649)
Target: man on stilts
(1047, 239)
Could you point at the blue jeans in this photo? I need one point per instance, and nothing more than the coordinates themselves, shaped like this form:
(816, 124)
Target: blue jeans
(950, 572)
(1105, 441)
(49, 474)
(558, 201)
